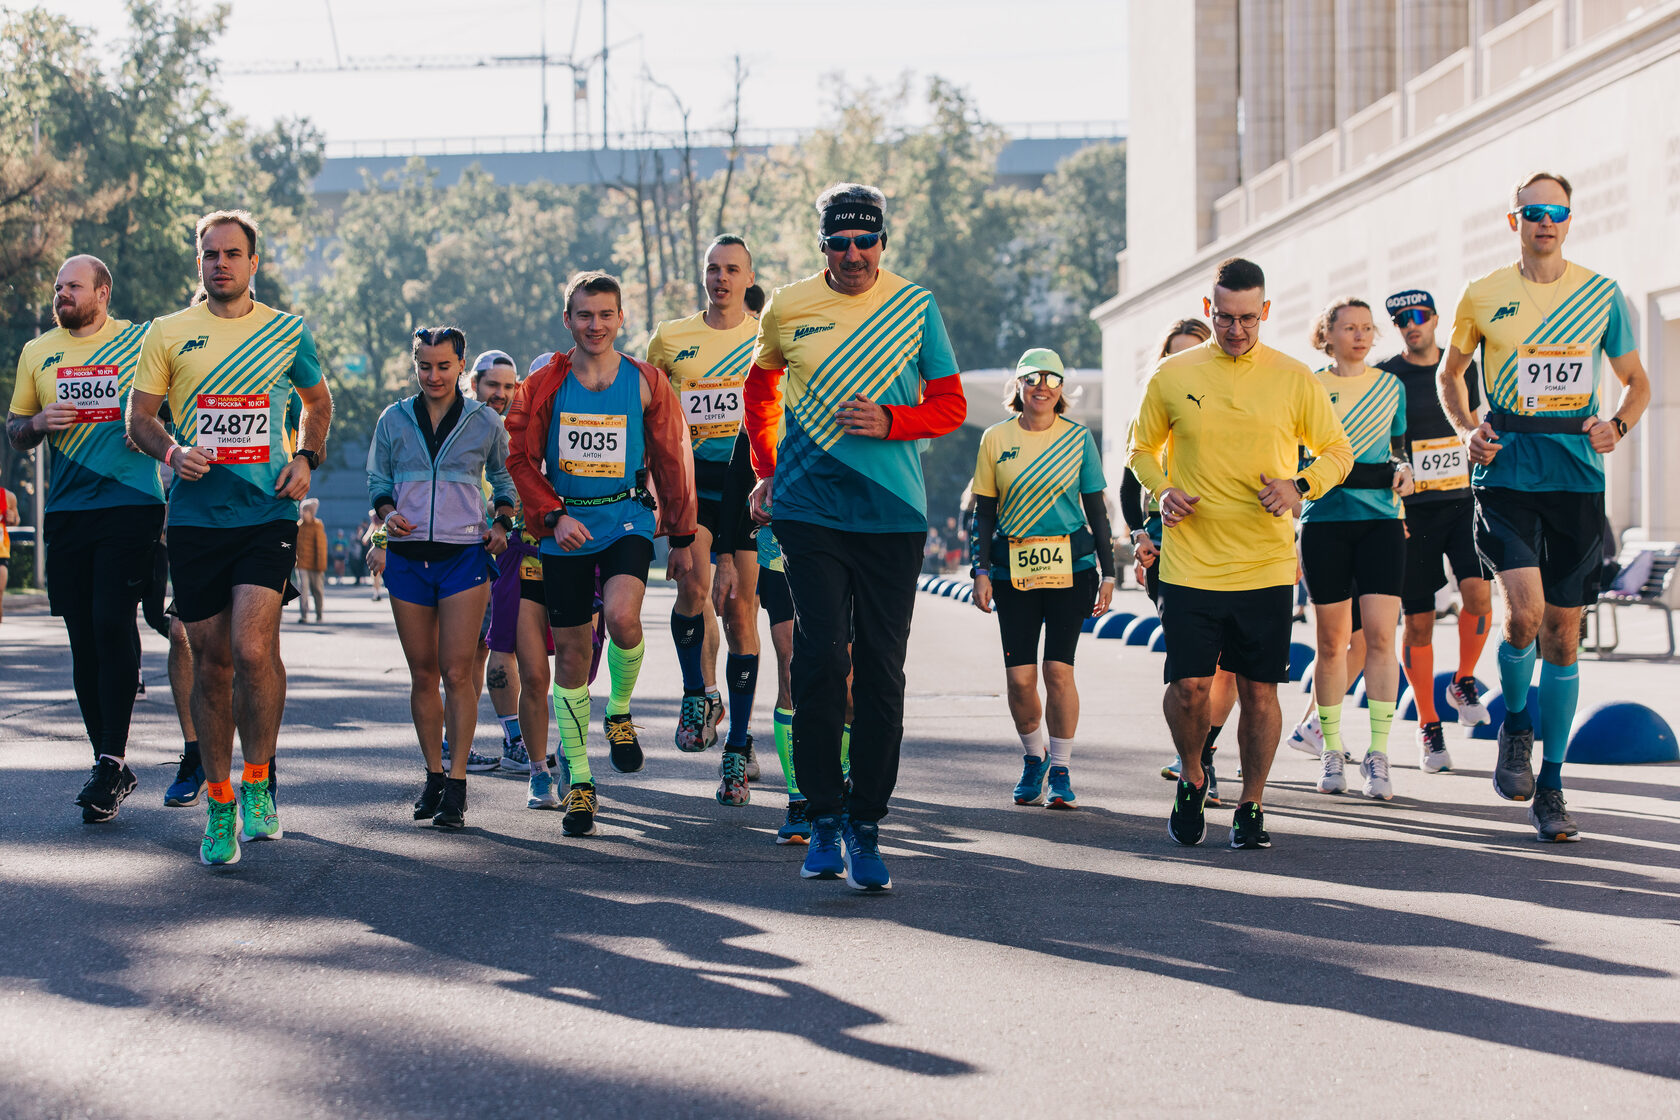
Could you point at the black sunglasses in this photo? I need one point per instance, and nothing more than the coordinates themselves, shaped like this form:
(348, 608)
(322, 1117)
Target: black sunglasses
(1411, 317)
(839, 243)
(1049, 376)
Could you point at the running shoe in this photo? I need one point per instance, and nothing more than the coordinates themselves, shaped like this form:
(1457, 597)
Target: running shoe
(1513, 774)
(274, 780)
(865, 870)
(542, 795)
(1332, 779)
(823, 859)
(476, 763)
(1432, 749)
(1308, 737)
(752, 761)
(1061, 789)
(1550, 816)
(1213, 801)
(1462, 698)
(1248, 828)
(220, 845)
(796, 829)
(714, 718)
(733, 788)
(623, 748)
(108, 784)
(431, 798)
(1030, 789)
(1170, 770)
(580, 807)
(189, 782)
(1188, 822)
(452, 813)
(514, 759)
(692, 725)
(256, 810)
(1374, 770)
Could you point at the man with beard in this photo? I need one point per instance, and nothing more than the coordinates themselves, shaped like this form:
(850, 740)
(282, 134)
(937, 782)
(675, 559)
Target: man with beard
(104, 509)
(227, 368)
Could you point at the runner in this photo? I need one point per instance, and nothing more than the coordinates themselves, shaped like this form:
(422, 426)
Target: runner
(1538, 470)
(587, 429)
(226, 367)
(859, 346)
(706, 356)
(1355, 534)
(1039, 484)
(425, 464)
(8, 518)
(1440, 526)
(1229, 416)
(103, 514)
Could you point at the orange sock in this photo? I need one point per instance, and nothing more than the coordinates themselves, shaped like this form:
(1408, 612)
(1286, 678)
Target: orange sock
(1419, 663)
(1472, 636)
(221, 791)
(256, 775)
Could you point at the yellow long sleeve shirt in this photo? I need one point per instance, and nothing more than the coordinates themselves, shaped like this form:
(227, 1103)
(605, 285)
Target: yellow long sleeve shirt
(1218, 423)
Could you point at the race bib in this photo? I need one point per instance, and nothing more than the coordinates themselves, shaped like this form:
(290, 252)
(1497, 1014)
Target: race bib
(93, 390)
(1555, 376)
(592, 446)
(713, 408)
(1036, 562)
(1439, 464)
(233, 429)
(530, 567)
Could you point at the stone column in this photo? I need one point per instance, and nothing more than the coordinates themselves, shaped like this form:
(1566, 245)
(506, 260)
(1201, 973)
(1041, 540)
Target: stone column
(1309, 50)
(1365, 53)
(1260, 25)
(1430, 30)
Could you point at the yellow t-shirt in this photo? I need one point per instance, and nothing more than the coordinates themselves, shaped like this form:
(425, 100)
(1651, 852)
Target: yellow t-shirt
(1222, 422)
(707, 368)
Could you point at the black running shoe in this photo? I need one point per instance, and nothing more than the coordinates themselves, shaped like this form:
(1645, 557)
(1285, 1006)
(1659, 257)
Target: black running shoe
(109, 783)
(453, 812)
(1248, 827)
(580, 806)
(1188, 822)
(623, 748)
(431, 798)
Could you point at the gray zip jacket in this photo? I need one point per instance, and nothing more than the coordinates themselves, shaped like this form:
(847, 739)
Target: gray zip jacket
(443, 498)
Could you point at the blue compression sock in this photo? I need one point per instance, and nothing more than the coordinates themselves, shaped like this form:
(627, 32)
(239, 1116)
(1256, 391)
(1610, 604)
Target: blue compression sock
(1516, 674)
(1560, 688)
(741, 676)
(688, 630)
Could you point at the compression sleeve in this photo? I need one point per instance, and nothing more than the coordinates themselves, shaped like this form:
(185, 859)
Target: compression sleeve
(1131, 501)
(985, 523)
(1096, 515)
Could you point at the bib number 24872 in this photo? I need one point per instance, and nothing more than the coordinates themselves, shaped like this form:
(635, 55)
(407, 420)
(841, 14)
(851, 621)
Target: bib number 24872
(233, 429)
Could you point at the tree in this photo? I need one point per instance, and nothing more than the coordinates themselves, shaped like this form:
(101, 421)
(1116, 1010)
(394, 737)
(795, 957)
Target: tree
(1083, 226)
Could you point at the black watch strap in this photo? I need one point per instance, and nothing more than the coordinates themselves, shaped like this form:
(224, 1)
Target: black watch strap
(1620, 425)
(1302, 486)
(552, 517)
(311, 457)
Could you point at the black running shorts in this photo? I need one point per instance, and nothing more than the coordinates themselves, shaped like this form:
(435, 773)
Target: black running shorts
(1246, 632)
(115, 547)
(773, 594)
(1437, 532)
(569, 578)
(1060, 612)
(206, 564)
(1560, 532)
(1335, 555)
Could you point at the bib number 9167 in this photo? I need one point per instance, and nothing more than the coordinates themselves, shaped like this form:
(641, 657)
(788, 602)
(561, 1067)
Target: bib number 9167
(1555, 377)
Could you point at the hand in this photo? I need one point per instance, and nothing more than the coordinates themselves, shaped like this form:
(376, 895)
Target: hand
(1176, 505)
(983, 592)
(1484, 444)
(56, 417)
(1140, 575)
(1601, 434)
(1403, 483)
(758, 502)
(396, 525)
(1144, 550)
(723, 581)
(1105, 597)
(570, 534)
(376, 561)
(191, 464)
(294, 480)
(861, 416)
(1279, 496)
(679, 564)
(495, 540)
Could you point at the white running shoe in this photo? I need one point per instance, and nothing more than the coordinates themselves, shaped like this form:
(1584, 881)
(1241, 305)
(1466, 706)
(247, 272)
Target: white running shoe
(1332, 780)
(1432, 749)
(1308, 736)
(1375, 770)
(1462, 698)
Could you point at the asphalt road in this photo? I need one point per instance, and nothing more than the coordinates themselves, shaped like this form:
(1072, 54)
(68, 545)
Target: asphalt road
(1423, 956)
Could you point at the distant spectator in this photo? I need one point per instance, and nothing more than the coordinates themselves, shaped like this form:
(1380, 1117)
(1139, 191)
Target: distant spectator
(374, 524)
(311, 559)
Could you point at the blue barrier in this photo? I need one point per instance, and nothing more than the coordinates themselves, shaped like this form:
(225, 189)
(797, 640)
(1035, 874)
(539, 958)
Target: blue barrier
(1495, 703)
(1113, 624)
(1141, 630)
(1158, 642)
(1300, 656)
(1622, 733)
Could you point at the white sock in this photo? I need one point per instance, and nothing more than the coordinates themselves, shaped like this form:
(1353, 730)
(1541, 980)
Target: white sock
(1032, 742)
(116, 758)
(1060, 751)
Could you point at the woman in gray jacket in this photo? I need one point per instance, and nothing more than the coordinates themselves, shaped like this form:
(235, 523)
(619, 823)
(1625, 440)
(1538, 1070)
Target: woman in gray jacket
(435, 459)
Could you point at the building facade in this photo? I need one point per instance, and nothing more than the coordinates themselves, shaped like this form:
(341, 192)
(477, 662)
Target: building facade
(1359, 147)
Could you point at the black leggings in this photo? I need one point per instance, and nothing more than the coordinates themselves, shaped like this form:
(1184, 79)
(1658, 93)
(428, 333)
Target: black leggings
(1059, 612)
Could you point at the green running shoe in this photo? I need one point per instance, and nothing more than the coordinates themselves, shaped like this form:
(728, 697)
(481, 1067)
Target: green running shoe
(221, 835)
(256, 806)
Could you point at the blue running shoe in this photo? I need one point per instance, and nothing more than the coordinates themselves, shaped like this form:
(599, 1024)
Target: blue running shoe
(1030, 789)
(865, 870)
(189, 782)
(796, 829)
(1061, 789)
(542, 795)
(1170, 770)
(823, 859)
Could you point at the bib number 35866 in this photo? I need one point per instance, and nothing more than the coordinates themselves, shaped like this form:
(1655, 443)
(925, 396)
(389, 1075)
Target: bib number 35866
(1555, 377)
(93, 390)
(233, 429)
(1036, 562)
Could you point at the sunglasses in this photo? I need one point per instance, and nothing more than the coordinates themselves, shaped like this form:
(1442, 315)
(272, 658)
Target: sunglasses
(839, 243)
(1048, 377)
(1543, 212)
(1411, 317)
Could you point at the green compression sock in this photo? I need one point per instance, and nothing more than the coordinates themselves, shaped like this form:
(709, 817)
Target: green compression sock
(623, 666)
(784, 750)
(846, 749)
(1330, 720)
(571, 712)
(1382, 718)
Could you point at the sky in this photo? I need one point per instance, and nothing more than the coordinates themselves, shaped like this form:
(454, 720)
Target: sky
(1023, 61)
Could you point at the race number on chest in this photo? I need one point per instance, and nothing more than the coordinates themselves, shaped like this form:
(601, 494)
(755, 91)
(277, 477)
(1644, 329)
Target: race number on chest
(1036, 562)
(592, 446)
(712, 407)
(1554, 376)
(93, 390)
(1439, 464)
(233, 429)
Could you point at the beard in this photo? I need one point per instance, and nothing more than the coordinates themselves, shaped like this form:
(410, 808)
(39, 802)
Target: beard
(76, 317)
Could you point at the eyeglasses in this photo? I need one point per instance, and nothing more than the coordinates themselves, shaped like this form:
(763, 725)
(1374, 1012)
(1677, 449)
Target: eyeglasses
(1411, 317)
(1048, 377)
(1225, 322)
(1543, 212)
(839, 243)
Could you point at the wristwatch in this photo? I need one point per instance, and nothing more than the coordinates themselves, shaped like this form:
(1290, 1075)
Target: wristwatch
(1302, 486)
(552, 517)
(504, 521)
(310, 457)
(1620, 425)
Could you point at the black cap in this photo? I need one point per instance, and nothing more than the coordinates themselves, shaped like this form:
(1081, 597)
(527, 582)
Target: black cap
(1405, 301)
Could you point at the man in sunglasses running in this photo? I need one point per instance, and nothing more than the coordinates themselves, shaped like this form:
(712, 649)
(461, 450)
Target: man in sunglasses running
(1537, 468)
(1440, 526)
(869, 372)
